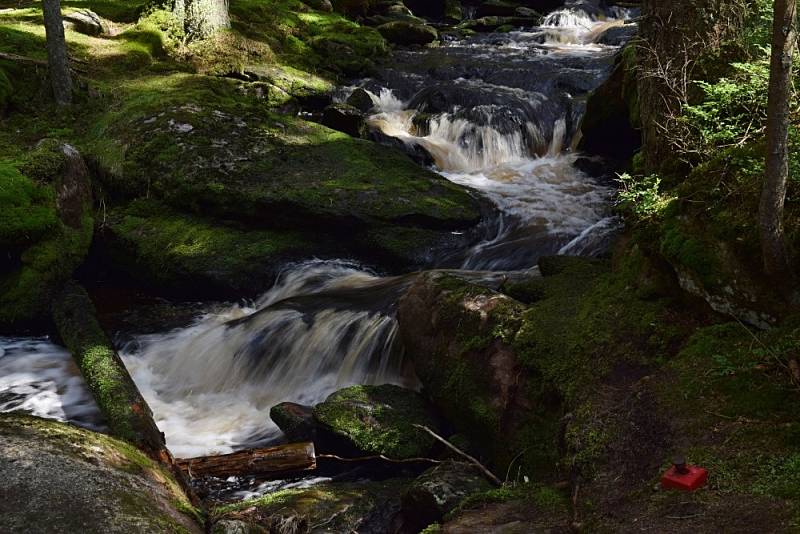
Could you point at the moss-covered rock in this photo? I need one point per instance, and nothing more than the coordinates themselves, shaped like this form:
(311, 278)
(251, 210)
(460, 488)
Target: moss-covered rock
(378, 420)
(347, 507)
(59, 478)
(295, 420)
(406, 33)
(279, 172)
(179, 252)
(458, 336)
(46, 227)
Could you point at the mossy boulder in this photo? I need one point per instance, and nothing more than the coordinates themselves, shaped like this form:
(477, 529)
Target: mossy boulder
(180, 252)
(378, 420)
(46, 227)
(347, 507)
(59, 478)
(279, 172)
(295, 420)
(405, 33)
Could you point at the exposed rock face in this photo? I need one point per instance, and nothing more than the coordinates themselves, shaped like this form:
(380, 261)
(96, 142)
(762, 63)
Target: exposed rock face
(58, 478)
(378, 420)
(88, 22)
(438, 491)
(453, 331)
(611, 125)
(408, 33)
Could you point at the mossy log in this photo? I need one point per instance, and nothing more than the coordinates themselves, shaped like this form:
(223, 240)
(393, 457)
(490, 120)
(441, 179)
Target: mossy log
(128, 414)
(280, 459)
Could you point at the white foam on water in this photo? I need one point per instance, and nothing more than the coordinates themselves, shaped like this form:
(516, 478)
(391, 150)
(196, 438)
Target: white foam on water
(211, 385)
(40, 378)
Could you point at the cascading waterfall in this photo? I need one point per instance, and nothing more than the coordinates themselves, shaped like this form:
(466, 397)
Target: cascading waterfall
(498, 114)
(324, 326)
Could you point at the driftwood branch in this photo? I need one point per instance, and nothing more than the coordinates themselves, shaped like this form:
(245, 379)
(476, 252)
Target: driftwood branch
(463, 454)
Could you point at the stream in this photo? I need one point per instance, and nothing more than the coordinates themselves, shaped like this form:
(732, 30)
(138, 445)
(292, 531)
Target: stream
(497, 113)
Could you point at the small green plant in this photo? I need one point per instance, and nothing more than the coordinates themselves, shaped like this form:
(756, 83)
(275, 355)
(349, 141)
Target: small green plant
(640, 195)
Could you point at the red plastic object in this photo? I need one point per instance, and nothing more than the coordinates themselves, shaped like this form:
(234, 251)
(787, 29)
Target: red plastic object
(684, 478)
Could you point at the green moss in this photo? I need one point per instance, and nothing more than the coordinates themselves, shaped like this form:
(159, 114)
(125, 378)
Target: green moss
(125, 486)
(126, 413)
(379, 420)
(27, 209)
(171, 249)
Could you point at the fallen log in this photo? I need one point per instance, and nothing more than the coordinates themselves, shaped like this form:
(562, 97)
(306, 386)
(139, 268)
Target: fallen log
(127, 413)
(281, 459)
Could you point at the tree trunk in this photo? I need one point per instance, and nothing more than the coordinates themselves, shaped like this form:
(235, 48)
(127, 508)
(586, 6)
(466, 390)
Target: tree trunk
(773, 194)
(57, 61)
(205, 17)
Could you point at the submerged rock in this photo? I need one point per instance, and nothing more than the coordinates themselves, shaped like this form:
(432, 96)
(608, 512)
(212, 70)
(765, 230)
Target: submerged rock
(378, 420)
(59, 478)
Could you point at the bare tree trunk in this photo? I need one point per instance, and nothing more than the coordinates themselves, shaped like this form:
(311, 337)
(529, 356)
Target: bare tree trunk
(773, 194)
(57, 60)
(205, 17)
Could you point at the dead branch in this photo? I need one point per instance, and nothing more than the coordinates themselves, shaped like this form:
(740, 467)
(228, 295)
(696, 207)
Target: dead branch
(461, 453)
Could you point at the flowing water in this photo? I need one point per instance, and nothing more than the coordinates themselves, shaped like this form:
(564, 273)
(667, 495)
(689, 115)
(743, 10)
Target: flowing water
(497, 113)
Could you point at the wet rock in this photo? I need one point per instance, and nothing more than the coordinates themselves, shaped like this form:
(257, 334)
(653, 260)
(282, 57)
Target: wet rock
(59, 478)
(491, 23)
(295, 420)
(87, 22)
(439, 491)
(346, 119)
(361, 100)
(408, 33)
(378, 420)
(618, 35)
(516, 517)
(363, 507)
(415, 151)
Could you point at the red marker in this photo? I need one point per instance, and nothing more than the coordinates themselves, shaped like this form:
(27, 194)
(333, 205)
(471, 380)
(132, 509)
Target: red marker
(684, 477)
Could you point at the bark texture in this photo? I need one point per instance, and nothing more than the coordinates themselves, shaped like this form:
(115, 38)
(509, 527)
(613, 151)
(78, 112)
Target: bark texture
(773, 194)
(204, 17)
(57, 59)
